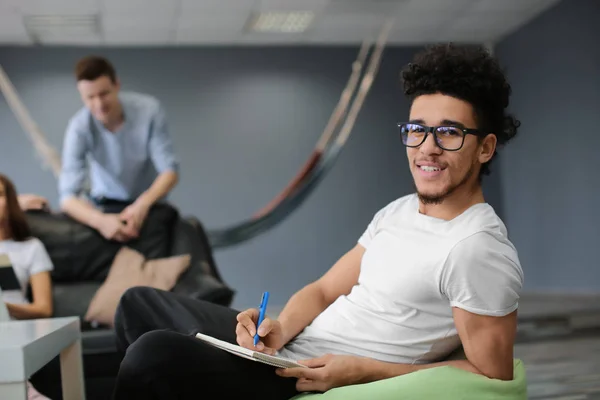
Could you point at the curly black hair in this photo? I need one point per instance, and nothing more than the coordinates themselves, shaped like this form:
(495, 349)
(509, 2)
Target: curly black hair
(469, 73)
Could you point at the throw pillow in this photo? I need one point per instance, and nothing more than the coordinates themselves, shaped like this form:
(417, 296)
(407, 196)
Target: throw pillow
(79, 253)
(129, 269)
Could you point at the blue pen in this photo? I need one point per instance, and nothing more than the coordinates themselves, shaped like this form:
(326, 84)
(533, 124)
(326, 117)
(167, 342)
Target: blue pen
(261, 314)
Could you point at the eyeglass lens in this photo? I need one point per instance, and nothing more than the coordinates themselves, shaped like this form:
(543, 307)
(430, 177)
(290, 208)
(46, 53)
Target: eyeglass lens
(447, 137)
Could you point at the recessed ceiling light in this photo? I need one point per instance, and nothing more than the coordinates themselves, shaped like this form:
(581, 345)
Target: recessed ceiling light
(41, 25)
(287, 22)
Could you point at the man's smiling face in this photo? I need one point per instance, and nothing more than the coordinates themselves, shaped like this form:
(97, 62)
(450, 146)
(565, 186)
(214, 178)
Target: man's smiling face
(437, 173)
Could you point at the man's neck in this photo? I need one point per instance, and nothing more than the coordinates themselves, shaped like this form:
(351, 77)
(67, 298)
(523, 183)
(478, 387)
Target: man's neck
(454, 205)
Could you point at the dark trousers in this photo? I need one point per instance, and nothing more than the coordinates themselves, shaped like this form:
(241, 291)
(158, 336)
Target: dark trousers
(163, 360)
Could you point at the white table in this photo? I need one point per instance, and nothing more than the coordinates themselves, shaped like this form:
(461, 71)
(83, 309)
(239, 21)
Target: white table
(28, 345)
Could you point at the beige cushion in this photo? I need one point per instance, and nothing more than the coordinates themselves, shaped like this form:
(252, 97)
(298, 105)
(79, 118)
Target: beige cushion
(129, 269)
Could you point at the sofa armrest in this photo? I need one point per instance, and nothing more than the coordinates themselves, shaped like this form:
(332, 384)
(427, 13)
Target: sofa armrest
(201, 242)
(198, 285)
(201, 280)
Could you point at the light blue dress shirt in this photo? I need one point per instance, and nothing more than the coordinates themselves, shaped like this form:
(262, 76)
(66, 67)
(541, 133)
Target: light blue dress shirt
(124, 164)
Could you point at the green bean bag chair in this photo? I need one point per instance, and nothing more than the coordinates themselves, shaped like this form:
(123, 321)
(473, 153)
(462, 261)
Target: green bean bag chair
(447, 383)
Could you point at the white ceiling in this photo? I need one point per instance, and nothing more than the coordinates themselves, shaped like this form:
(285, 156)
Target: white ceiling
(210, 22)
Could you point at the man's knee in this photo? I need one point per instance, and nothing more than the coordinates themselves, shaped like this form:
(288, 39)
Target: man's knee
(128, 308)
(126, 303)
(133, 297)
(136, 293)
(148, 355)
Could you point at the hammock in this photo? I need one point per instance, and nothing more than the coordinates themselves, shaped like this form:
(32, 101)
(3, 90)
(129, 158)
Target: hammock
(287, 201)
(322, 159)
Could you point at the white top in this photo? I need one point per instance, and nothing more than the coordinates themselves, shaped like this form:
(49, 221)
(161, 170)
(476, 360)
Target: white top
(28, 258)
(415, 269)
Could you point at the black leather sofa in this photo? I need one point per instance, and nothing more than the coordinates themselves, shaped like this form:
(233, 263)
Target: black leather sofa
(82, 259)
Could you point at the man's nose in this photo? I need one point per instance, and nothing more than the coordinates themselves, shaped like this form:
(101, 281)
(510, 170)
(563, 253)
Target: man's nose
(96, 103)
(429, 146)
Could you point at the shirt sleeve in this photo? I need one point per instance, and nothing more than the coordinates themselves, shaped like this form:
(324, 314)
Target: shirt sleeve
(73, 169)
(161, 144)
(40, 260)
(482, 275)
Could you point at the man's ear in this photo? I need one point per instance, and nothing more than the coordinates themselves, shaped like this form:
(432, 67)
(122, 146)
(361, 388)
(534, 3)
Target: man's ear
(487, 148)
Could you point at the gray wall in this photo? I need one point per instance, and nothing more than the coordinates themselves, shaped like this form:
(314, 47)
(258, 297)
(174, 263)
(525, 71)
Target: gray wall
(549, 174)
(243, 122)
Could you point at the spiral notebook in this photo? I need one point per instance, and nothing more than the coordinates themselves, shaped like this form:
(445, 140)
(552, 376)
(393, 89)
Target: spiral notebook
(275, 361)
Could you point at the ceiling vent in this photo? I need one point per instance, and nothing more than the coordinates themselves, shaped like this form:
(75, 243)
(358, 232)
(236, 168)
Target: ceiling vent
(280, 22)
(40, 27)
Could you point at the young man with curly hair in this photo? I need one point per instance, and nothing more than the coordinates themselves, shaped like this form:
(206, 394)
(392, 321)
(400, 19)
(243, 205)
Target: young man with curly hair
(432, 272)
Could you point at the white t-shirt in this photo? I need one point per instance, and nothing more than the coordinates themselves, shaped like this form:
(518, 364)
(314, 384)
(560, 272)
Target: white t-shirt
(28, 258)
(415, 269)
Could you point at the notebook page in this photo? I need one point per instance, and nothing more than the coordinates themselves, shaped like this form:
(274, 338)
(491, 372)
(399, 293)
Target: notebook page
(277, 361)
(233, 348)
(249, 354)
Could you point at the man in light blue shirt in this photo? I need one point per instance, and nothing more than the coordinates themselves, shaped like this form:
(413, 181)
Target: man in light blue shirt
(124, 139)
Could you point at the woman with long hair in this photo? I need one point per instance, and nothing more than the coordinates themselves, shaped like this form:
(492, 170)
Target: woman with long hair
(28, 258)
(30, 261)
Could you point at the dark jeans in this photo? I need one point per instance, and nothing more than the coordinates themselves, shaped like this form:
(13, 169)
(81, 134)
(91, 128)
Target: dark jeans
(163, 360)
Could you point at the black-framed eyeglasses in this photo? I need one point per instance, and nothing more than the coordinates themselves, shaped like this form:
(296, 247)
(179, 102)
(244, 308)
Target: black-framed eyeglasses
(450, 138)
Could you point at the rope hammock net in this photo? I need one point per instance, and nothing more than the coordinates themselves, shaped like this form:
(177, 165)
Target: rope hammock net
(334, 136)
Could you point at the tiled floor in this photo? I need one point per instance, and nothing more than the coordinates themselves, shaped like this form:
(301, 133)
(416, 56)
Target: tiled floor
(561, 346)
(566, 369)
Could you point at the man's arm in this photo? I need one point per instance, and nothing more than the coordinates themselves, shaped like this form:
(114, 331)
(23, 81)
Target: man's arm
(306, 304)
(135, 214)
(302, 307)
(310, 301)
(481, 280)
(488, 343)
(72, 176)
(161, 186)
(164, 160)
(82, 211)
(163, 157)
